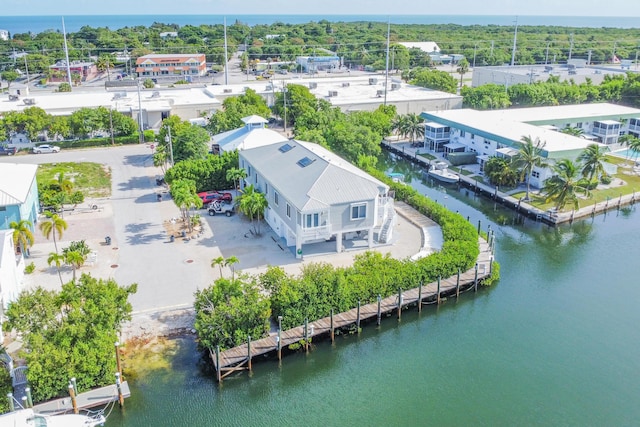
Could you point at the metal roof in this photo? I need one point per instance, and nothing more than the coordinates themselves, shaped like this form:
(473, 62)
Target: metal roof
(15, 182)
(244, 138)
(327, 180)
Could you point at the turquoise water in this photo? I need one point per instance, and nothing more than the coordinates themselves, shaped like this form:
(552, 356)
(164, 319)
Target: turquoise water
(627, 153)
(556, 342)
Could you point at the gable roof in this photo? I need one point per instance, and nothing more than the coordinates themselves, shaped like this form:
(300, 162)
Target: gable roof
(245, 138)
(15, 182)
(324, 180)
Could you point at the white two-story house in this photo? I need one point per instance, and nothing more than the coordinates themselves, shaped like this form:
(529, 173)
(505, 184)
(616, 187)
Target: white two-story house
(316, 196)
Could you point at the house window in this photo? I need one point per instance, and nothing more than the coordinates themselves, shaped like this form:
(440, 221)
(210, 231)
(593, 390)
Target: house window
(288, 211)
(358, 211)
(462, 133)
(472, 136)
(276, 196)
(311, 220)
(266, 189)
(535, 174)
(256, 180)
(249, 171)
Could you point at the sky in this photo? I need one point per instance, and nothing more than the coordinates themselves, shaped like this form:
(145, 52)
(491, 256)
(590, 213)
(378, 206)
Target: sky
(325, 7)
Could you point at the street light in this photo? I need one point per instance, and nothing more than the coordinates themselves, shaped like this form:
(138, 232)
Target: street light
(140, 113)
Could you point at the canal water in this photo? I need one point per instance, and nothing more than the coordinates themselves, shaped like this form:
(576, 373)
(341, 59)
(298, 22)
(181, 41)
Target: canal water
(555, 342)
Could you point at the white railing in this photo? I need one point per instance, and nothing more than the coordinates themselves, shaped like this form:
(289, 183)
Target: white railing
(323, 232)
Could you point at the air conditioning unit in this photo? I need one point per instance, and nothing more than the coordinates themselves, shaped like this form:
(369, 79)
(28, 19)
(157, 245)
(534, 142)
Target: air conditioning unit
(333, 93)
(226, 91)
(345, 84)
(373, 81)
(395, 86)
(313, 85)
(380, 93)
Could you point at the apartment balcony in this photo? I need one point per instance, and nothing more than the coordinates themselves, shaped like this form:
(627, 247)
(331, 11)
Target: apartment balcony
(315, 233)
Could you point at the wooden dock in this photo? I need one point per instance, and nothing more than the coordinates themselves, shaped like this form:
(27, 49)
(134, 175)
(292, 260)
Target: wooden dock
(89, 399)
(240, 358)
(550, 217)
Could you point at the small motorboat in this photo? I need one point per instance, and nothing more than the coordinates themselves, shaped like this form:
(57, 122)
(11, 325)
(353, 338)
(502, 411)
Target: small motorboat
(396, 177)
(440, 172)
(28, 418)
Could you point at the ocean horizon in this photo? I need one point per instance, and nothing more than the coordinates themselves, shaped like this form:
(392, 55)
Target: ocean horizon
(73, 23)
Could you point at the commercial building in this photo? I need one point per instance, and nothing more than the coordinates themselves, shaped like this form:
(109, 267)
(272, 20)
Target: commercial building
(86, 71)
(577, 71)
(171, 65)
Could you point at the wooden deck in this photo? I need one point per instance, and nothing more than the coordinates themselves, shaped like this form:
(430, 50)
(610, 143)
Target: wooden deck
(89, 399)
(239, 358)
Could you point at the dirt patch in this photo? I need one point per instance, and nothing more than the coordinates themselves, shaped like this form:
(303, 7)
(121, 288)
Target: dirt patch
(177, 226)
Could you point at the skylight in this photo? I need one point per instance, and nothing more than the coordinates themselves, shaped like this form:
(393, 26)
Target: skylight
(304, 162)
(284, 148)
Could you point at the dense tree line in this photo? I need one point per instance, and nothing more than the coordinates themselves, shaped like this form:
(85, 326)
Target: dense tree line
(83, 123)
(358, 43)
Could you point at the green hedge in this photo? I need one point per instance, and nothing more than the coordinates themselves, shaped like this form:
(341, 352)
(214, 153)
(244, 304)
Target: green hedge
(99, 142)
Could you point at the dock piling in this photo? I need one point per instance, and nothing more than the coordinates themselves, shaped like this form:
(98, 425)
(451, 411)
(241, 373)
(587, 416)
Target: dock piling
(399, 303)
(72, 393)
(458, 285)
(438, 296)
(358, 318)
(475, 279)
(29, 397)
(420, 297)
(12, 406)
(249, 352)
(119, 388)
(279, 339)
(379, 311)
(332, 333)
(306, 334)
(25, 404)
(218, 368)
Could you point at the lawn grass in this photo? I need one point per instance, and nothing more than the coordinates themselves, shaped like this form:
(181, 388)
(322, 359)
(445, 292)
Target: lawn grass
(93, 179)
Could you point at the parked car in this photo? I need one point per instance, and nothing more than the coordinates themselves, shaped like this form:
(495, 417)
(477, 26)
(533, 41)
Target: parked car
(7, 151)
(218, 208)
(46, 148)
(209, 196)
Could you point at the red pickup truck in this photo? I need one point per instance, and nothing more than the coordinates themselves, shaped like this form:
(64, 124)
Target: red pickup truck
(209, 196)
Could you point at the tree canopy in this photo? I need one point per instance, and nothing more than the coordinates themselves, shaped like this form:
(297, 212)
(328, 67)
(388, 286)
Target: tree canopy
(70, 333)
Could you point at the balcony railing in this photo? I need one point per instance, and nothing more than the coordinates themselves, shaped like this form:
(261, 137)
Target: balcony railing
(323, 232)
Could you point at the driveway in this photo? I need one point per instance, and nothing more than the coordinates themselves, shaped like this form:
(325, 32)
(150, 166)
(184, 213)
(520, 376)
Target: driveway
(168, 273)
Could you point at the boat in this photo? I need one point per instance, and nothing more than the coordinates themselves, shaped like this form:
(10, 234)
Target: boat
(396, 177)
(28, 418)
(440, 172)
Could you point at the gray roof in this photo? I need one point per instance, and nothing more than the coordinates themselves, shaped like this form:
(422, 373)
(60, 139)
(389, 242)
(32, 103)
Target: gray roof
(15, 182)
(326, 180)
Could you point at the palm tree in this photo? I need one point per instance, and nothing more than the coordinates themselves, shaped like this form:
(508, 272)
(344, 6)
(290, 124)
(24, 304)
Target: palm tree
(573, 131)
(54, 226)
(235, 175)
(634, 145)
(66, 187)
(564, 186)
(414, 127)
(529, 156)
(399, 125)
(463, 68)
(592, 159)
(22, 235)
(219, 261)
(75, 259)
(253, 204)
(632, 142)
(105, 61)
(229, 262)
(57, 259)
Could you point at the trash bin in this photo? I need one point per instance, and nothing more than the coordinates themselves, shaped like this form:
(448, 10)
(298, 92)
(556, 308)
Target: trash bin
(172, 238)
(184, 234)
(107, 240)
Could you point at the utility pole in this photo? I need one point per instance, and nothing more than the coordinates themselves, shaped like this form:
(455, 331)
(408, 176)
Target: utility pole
(140, 113)
(26, 67)
(475, 47)
(386, 74)
(170, 145)
(284, 103)
(515, 41)
(66, 55)
(226, 59)
(613, 54)
(546, 58)
(570, 45)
